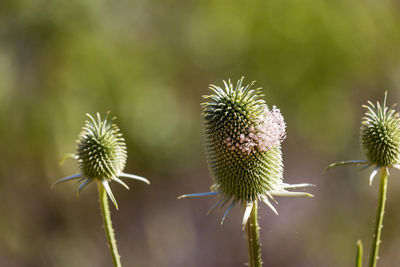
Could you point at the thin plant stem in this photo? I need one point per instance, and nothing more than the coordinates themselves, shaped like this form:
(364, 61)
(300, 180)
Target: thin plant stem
(253, 238)
(379, 219)
(359, 254)
(105, 211)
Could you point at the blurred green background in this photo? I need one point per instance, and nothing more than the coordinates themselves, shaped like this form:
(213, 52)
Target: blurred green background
(149, 62)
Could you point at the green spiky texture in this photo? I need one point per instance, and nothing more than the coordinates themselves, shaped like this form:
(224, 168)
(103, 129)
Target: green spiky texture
(101, 149)
(380, 134)
(229, 113)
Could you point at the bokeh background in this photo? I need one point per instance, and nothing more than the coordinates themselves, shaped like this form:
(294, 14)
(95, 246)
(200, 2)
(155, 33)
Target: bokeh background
(149, 63)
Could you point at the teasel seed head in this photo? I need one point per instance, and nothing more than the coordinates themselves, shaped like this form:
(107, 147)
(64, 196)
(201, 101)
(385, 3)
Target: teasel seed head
(101, 155)
(380, 134)
(243, 141)
(101, 151)
(380, 139)
(243, 147)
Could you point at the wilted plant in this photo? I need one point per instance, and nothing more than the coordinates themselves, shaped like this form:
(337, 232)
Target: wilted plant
(243, 146)
(380, 138)
(101, 156)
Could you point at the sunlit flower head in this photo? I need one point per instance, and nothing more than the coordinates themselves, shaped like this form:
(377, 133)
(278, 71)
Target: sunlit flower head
(243, 146)
(380, 134)
(101, 155)
(380, 138)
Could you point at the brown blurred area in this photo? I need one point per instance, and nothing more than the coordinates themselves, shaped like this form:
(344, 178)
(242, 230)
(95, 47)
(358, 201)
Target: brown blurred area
(149, 63)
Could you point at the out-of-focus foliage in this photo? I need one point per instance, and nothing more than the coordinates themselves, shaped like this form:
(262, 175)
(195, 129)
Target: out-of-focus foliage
(149, 62)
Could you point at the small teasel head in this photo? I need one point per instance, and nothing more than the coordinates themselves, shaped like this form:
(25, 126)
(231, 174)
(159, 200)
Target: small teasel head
(243, 145)
(101, 155)
(380, 134)
(101, 151)
(380, 139)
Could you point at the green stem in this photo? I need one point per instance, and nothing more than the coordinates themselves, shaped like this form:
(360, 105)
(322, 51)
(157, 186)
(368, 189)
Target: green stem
(359, 254)
(253, 238)
(379, 218)
(105, 211)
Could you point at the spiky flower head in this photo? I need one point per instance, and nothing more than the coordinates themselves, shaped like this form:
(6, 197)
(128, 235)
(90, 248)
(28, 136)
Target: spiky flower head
(101, 151)
(380, 134)
(243, 145)
(101, 155)
(243, 139)
(380, 138)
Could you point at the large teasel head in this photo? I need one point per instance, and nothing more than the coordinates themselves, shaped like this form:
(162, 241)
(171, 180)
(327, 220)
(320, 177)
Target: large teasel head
(380, 134)
(101, 155)
(243, 145)
(243, 141)
(380, 139)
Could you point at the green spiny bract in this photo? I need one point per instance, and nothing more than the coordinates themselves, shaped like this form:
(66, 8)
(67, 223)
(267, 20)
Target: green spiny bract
(101, 151)
(243, 142)
(380, 134)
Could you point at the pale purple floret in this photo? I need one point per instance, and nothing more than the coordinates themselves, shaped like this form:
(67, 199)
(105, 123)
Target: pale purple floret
(269, 130)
